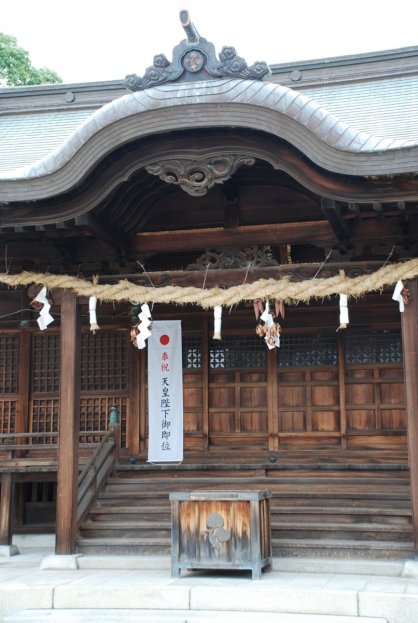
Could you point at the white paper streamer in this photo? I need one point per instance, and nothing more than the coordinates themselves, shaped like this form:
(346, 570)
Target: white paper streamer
(144, 326)
(217, 311)
(267, 317)
(343, 311)
(397, 295)
(45, 317)
(92, 314)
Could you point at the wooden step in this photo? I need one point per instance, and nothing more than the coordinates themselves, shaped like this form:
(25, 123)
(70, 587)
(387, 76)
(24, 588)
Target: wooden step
(331, 509)
(311, 548)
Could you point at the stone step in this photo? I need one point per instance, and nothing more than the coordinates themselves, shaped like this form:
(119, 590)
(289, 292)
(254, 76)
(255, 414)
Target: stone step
(66, 615)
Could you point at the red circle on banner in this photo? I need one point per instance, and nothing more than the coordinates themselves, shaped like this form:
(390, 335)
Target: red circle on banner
(164, 340)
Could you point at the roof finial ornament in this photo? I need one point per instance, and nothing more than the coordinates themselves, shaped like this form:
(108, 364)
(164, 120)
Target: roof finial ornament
(195, 59)
(189, 27)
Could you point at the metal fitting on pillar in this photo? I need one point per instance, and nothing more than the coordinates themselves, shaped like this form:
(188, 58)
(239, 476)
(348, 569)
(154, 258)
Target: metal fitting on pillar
(113, 415)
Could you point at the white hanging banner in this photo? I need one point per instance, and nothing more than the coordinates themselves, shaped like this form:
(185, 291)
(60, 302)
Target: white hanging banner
(165, 392)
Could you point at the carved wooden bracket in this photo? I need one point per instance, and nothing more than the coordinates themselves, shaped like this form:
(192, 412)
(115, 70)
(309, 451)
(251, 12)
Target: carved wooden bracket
(229, 257)
(195, 177)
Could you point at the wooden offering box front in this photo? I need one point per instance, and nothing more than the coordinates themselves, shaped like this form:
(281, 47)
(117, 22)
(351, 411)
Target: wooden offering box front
(220, 530)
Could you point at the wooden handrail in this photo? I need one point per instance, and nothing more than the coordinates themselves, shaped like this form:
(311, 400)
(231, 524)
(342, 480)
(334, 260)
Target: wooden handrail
(105, 439)
(94, 474)
(10, 441)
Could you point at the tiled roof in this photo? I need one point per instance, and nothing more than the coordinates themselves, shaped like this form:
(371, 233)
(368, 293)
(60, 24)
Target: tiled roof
(364, 103)
(26, 138)
(386, 108)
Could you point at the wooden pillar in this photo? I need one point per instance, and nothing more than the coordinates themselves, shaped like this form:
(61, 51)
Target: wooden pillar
(69, 426)
(410, 356)
(133, 416)
(6, 506)
(22, 414)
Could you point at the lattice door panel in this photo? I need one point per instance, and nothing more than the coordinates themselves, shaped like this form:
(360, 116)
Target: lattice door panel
(44, 418)
(94, 414)
(7, 416)
(104, 361)
(45, 360)
(9, 360)
(9, 385)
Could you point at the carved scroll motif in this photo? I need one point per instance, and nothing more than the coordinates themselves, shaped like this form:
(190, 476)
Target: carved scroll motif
(196, 177)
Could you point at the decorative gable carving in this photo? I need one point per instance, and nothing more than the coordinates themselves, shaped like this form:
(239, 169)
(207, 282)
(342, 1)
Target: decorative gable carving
(195, 177)
(195, 59)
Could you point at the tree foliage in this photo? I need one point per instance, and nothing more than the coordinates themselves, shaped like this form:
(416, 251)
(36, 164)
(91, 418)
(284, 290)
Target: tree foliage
(16, 68)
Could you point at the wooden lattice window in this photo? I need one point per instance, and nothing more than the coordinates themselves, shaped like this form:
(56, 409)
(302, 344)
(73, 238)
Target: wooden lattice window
(104, 363)
(237, 352)
(318, 349)
(371, 346)
(44, 418)
(94, 413)
(9, 358)
(192, 353)
(7, 416)
(45, 363)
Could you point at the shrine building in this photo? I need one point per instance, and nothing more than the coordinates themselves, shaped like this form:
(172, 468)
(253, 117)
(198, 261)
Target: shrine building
(277, 202)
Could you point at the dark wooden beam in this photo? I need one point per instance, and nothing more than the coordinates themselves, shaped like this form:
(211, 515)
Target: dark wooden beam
(410, 356)
(69, 426)
(195, 239)
(332, 213)
(98, 229)
(230, 277)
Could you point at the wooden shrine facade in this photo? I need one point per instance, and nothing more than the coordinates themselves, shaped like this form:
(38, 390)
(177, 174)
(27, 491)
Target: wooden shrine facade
(322, 388)
(203, 176)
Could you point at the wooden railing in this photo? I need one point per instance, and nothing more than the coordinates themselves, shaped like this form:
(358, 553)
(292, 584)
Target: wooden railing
(12, 442)
(16, 444)
(94, 474)
(13, 458)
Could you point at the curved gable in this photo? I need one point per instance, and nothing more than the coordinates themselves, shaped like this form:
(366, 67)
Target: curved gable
(263, 106)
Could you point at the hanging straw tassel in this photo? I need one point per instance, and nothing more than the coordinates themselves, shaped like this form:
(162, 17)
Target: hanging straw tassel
(92, 313)
(217, 311)
(258, 308)
(279, 308)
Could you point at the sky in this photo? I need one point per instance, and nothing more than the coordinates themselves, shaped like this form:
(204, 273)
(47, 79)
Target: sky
(96, 40)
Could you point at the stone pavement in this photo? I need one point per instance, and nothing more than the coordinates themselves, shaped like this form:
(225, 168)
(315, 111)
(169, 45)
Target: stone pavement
(141, 590)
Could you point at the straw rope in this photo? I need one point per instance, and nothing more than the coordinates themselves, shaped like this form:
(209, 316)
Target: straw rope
(283, 289)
